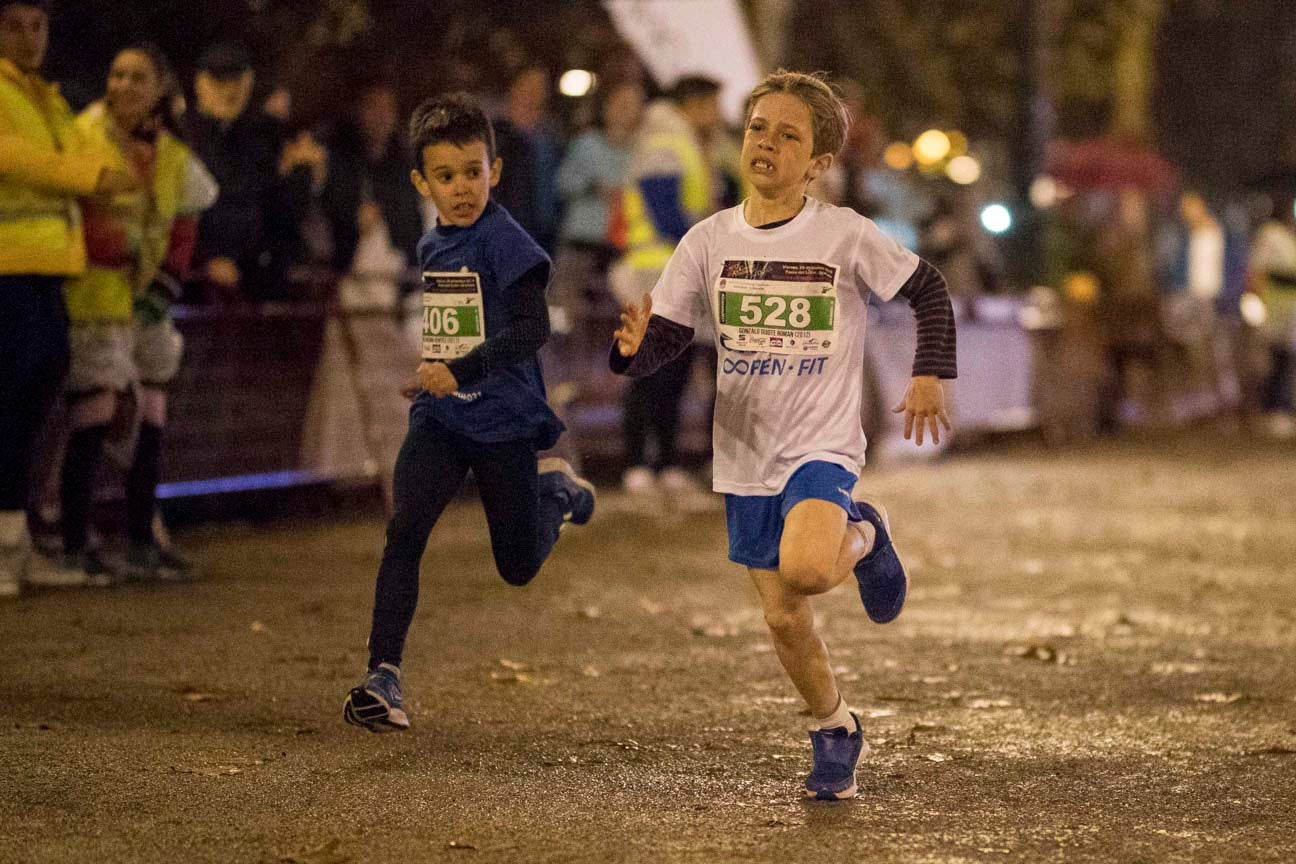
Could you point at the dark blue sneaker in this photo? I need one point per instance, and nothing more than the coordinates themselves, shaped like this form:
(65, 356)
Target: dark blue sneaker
(882, 579)
(836, 753)
(376, 704)
(576, 492)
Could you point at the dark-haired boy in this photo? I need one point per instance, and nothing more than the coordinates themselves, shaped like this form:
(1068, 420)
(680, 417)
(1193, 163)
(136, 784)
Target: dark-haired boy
(480, 400)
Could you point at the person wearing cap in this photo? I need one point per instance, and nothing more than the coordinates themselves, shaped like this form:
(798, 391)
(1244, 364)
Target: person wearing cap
(45, 165)
(265, 181)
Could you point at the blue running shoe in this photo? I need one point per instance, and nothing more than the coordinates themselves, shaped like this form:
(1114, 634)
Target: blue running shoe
(836, 753)
(882, 579)
(376, 704)
(576, 492)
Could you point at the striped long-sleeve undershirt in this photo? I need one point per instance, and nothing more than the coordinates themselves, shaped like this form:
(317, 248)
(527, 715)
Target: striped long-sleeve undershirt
(925, 291)
(928, 295)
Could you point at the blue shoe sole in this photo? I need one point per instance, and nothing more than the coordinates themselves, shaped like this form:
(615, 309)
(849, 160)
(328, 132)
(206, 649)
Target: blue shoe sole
(883, 580)
(368, 710)
(825, 795)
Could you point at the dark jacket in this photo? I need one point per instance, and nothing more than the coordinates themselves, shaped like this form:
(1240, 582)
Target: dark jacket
(351, 178)
(256, 220)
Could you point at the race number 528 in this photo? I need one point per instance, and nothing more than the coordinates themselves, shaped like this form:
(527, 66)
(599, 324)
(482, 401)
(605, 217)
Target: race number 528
(776, 311)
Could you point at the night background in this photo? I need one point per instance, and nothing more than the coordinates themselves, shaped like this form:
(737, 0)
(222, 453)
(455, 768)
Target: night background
(1094, 659)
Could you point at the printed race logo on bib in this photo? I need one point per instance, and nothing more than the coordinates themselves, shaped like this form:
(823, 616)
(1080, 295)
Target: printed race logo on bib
(781, 307)
(453, 323)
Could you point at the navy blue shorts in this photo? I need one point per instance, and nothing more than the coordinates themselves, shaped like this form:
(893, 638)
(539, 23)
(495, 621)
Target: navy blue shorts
(756, 521)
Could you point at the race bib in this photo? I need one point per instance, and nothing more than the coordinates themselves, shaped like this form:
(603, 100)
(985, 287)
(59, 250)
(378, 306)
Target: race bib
(781, 307)
(453, 323)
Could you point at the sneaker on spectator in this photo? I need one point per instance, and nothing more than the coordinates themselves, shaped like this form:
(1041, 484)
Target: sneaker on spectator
(15, 552)
(89, 569)
(639, 481)
(12, 566)
(160, 563)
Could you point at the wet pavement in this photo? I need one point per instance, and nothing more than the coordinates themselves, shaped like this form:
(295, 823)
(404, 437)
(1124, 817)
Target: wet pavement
(1097, 663)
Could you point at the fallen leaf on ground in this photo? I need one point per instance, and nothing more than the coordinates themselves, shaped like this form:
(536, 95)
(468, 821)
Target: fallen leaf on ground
(982, 704)
(936, 757)
(591, 612)
(1043, 653)
(326, 853)
(650, 606)
(1219, 698)
(513, 664)
(258, 627)
(522, 678)
(190, 694)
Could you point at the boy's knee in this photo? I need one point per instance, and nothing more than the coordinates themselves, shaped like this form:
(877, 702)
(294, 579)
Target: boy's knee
(806, 577)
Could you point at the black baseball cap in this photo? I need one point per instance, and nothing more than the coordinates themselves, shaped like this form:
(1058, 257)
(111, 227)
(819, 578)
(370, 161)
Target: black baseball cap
(225, 60)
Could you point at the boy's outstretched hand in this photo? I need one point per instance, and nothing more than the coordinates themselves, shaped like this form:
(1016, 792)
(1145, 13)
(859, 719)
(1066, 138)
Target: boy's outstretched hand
(924, 401)
(634, 323)
(436, 378)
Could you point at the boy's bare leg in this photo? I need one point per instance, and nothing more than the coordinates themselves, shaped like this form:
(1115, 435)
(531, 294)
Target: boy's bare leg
(799, 647)
(817, 552)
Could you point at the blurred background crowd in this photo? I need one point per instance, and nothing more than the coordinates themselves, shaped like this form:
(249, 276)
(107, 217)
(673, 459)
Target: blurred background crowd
(1108, 188)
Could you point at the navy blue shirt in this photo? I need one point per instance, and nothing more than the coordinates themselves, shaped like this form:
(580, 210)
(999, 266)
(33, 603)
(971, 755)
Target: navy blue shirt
(508, 404)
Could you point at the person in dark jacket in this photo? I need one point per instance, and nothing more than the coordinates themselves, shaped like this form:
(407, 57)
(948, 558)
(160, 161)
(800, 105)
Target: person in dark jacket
(368, 179)
(247, 239)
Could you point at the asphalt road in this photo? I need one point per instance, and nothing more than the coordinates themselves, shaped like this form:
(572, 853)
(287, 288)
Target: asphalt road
(1097, 663)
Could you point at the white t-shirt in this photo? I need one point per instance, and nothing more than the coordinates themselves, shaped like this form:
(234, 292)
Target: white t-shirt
(789, 309)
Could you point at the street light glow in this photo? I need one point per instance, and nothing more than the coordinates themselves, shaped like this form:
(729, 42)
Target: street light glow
(964, 170)
(931, 147)
(996, 219)
(576, 83)
(1043, 192)
(898, 156)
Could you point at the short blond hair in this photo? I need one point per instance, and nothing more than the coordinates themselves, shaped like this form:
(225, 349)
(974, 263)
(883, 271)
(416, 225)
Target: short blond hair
(827, 110)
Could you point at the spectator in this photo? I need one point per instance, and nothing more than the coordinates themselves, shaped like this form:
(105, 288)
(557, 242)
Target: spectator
(44, 165)
(139, 244)
(1129, 318)
(590, 180)
(531, 150)
(1273, 277)
(670, 188)
(368, 198)
(246, 240)
(1194, 286)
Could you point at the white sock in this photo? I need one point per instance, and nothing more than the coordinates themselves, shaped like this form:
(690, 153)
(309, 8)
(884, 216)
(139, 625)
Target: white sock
(13, 528)
(869, 533)
(840, 717)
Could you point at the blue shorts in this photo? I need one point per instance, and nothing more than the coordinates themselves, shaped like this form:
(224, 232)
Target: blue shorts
(756, 521)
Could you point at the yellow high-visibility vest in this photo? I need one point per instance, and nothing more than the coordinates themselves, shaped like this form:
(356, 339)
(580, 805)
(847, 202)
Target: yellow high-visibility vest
(646, 248)
(145, 217)
(44, 167)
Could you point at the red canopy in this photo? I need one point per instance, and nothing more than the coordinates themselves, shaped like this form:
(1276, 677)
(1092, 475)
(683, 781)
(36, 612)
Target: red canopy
(1109, 163)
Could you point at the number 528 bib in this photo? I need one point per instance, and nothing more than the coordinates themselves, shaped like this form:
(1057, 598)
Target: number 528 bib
(453, 323)
(781, 307)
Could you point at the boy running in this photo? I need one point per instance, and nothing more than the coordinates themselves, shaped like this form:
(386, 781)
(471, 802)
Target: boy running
(784, 279)
(480, 400)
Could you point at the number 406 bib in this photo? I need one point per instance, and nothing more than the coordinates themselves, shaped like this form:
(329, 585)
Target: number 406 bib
(782, 307)
(453, 323)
